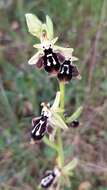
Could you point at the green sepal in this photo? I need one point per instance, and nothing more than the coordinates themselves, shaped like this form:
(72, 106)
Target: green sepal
(70, 166)
(75, 115)
(34, 25)
(57, 121)
(56, 101)
(49, 24)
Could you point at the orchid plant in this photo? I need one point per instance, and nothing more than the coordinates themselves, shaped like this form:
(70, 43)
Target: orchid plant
(57, 62)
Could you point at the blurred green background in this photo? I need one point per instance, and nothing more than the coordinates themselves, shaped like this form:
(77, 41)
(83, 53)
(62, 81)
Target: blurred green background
(81, 24)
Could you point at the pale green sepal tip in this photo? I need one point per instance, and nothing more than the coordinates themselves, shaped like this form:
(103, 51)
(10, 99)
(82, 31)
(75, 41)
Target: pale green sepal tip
(34, 24)
(56, 101)
(54, 40)
(49, 24)
(71, 165)
(75, 115)
(58, 121)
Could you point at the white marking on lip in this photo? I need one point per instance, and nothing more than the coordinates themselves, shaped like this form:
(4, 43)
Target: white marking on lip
(38, 131)
(48, 63)
(34, 128)
(62, 71)
(49, 55)
(41, 122)
(46, 180)
(67, 67)
(54, 62)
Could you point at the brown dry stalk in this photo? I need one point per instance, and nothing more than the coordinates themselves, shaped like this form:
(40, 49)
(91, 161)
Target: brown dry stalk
(94, 48)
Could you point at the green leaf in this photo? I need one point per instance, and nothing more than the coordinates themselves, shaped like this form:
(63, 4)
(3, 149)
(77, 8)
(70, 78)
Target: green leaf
(34, 25)
(75, 115)
(49, 24)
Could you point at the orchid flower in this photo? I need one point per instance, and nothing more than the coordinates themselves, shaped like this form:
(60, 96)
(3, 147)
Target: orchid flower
(49, 117)
(49, 56)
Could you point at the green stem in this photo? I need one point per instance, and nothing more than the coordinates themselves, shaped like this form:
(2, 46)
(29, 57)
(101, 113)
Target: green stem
(59, 138)
(62, 91)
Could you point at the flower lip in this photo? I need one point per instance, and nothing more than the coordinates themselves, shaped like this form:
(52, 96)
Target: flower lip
(51, 62)
(48, 58)
(39, 127)
(65, 73)
(68, 71)
(74, 124)
(48, 51)
(50, 178)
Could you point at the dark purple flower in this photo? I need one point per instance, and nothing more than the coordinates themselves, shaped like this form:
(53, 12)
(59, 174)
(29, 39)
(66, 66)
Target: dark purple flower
(74, 124)
(48, 179)
(68, 71)
(39, 128)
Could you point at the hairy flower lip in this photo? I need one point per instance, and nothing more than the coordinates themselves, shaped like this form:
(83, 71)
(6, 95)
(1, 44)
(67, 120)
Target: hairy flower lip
(53, 74)
(50, 178)
(68, 70)
(74, 124)
(39, 128)
(67, 81)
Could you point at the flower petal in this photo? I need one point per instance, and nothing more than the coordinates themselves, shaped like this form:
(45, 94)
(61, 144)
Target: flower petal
(75, 71)
(56, 121)
(44, 28)
(64, 51)
(34, 24)
(38, 46)
(72, 58)
(34, 120)
(61, 58)
(54, 40)
(49, 27)
(75, 115)
(52, 135)
(33, 60)
(56, 101)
